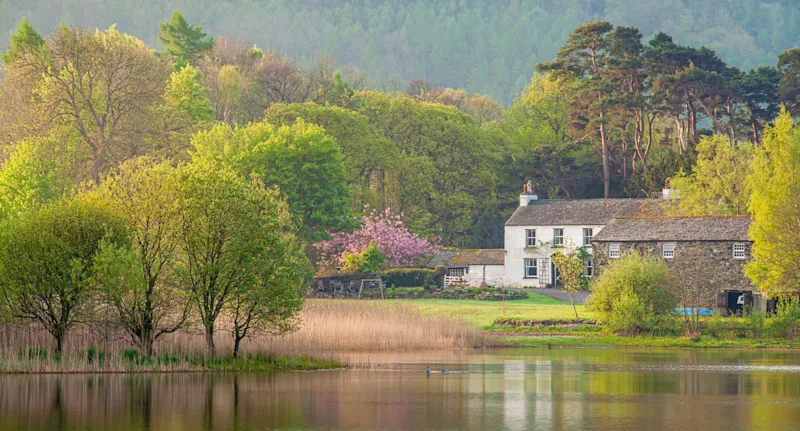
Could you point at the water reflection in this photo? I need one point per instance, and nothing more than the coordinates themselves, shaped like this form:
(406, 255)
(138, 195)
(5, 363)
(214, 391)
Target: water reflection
(537, 389)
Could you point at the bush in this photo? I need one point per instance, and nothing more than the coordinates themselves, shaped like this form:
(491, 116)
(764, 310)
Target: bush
(633, 295)
(408, 277)
(786, 321)
(754, 323)
(367, 261)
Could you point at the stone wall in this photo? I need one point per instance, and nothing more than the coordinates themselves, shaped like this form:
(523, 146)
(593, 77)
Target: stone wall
(705, 268)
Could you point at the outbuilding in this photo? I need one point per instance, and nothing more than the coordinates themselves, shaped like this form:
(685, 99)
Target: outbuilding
(707, 254)
(471, 267)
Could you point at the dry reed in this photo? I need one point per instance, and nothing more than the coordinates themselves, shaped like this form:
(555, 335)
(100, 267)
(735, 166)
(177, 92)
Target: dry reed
(328, 327)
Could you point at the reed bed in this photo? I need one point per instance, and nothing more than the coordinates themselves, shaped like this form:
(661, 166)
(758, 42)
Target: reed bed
(328, 328)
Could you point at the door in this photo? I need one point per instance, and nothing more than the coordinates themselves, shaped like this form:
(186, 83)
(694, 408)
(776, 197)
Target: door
(554, 271)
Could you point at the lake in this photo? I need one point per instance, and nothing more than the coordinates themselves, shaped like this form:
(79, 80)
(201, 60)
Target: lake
(489, 389)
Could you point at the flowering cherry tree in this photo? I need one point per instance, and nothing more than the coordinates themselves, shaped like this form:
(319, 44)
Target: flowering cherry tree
(386, 231)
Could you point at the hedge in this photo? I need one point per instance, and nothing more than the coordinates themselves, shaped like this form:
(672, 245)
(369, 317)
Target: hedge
(408, 277)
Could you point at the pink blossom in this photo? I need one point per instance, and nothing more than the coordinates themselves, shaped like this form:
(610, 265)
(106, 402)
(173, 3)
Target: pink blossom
(387, 231)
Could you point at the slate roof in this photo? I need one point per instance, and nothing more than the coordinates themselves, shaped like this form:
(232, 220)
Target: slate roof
(491, 256)
(563, 212)
(706, 228)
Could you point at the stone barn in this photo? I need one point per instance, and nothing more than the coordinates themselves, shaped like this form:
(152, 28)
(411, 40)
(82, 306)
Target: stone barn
(707, 254)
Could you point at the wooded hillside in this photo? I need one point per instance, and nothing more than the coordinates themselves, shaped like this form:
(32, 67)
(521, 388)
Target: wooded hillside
(484, 47)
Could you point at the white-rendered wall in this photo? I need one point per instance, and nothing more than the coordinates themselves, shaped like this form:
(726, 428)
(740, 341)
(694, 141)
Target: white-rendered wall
(492, 276)
(516, 254)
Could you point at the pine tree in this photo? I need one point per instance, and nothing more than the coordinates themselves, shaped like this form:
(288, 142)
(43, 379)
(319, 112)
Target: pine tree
(182, 40)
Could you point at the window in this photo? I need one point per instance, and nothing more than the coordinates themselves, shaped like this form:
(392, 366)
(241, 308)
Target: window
(456, 272)
(558, 237)
(613, 251)
(587, 236)
(531, 268)
(588, 268)
(739, 251)
(668, 251)
(530, 237)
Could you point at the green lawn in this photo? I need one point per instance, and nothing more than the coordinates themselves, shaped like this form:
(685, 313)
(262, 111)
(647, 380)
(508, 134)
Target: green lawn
(483, 313)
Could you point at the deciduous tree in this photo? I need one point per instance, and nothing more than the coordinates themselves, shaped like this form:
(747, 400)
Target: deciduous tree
(138, 280)
(47, 262)
(302, 160)
(775, 208)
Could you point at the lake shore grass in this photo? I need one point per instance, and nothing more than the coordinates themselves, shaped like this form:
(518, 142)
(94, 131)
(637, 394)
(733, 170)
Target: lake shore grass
(328, 330)
(605, 340)
(165, 364)
(482, 314)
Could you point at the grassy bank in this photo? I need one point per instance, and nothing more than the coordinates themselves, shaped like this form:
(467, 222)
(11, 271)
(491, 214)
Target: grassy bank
(165, 363)
(604, 340)
(482, 314)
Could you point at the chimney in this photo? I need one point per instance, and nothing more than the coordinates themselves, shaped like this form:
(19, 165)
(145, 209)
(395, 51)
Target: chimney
(668, 193)
(527, 195)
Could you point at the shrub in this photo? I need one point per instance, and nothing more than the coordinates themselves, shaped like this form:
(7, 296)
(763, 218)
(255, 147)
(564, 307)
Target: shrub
(367, 261)
(131, 355)
(786, 321)
(408, 277)
(754, 323)
(633, 295)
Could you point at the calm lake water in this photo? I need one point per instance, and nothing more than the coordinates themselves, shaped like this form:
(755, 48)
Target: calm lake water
(515, 389)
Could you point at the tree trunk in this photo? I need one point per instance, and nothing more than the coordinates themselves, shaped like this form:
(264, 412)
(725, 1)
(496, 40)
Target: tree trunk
(59, 343)
(237, 341)
(604, 149)
(146, 343)
(211, 349)
(572, 300)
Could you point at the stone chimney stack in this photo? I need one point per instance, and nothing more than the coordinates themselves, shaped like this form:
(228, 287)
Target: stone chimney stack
(527, 194)
(668, 193)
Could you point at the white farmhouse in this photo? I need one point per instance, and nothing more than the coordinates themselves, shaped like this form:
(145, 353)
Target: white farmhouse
(538, 226)
(532, 235)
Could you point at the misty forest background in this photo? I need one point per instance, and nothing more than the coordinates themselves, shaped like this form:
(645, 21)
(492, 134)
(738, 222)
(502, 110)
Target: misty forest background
(484, 47)
(442, 109)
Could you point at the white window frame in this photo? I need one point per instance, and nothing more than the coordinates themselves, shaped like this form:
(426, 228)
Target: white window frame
(614, 251)
(739, 251)
(535, 267)
(561, 241)
(457, 272)
(588, 268)
(589, 237)
(668, 251)
(530, 237)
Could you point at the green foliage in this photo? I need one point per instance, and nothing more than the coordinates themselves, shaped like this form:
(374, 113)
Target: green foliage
(185, 93)
(366, 153)
(786, 321)
(408, 277)
(39, 171)
(789, 86)
(568, 260)
(182, 40)
(775, 209)
(137, 279)
(47, 261)
(24, 39)
(235, 240)
(717, 184)
(368, 261)
(445, 175)
(301, 160)
(633, 294)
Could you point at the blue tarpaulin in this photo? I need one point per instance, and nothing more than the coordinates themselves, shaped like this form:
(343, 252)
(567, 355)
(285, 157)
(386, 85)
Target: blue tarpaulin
(694, 311)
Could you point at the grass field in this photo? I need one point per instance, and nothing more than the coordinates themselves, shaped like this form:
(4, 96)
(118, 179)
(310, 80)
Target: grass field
(483, 313)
